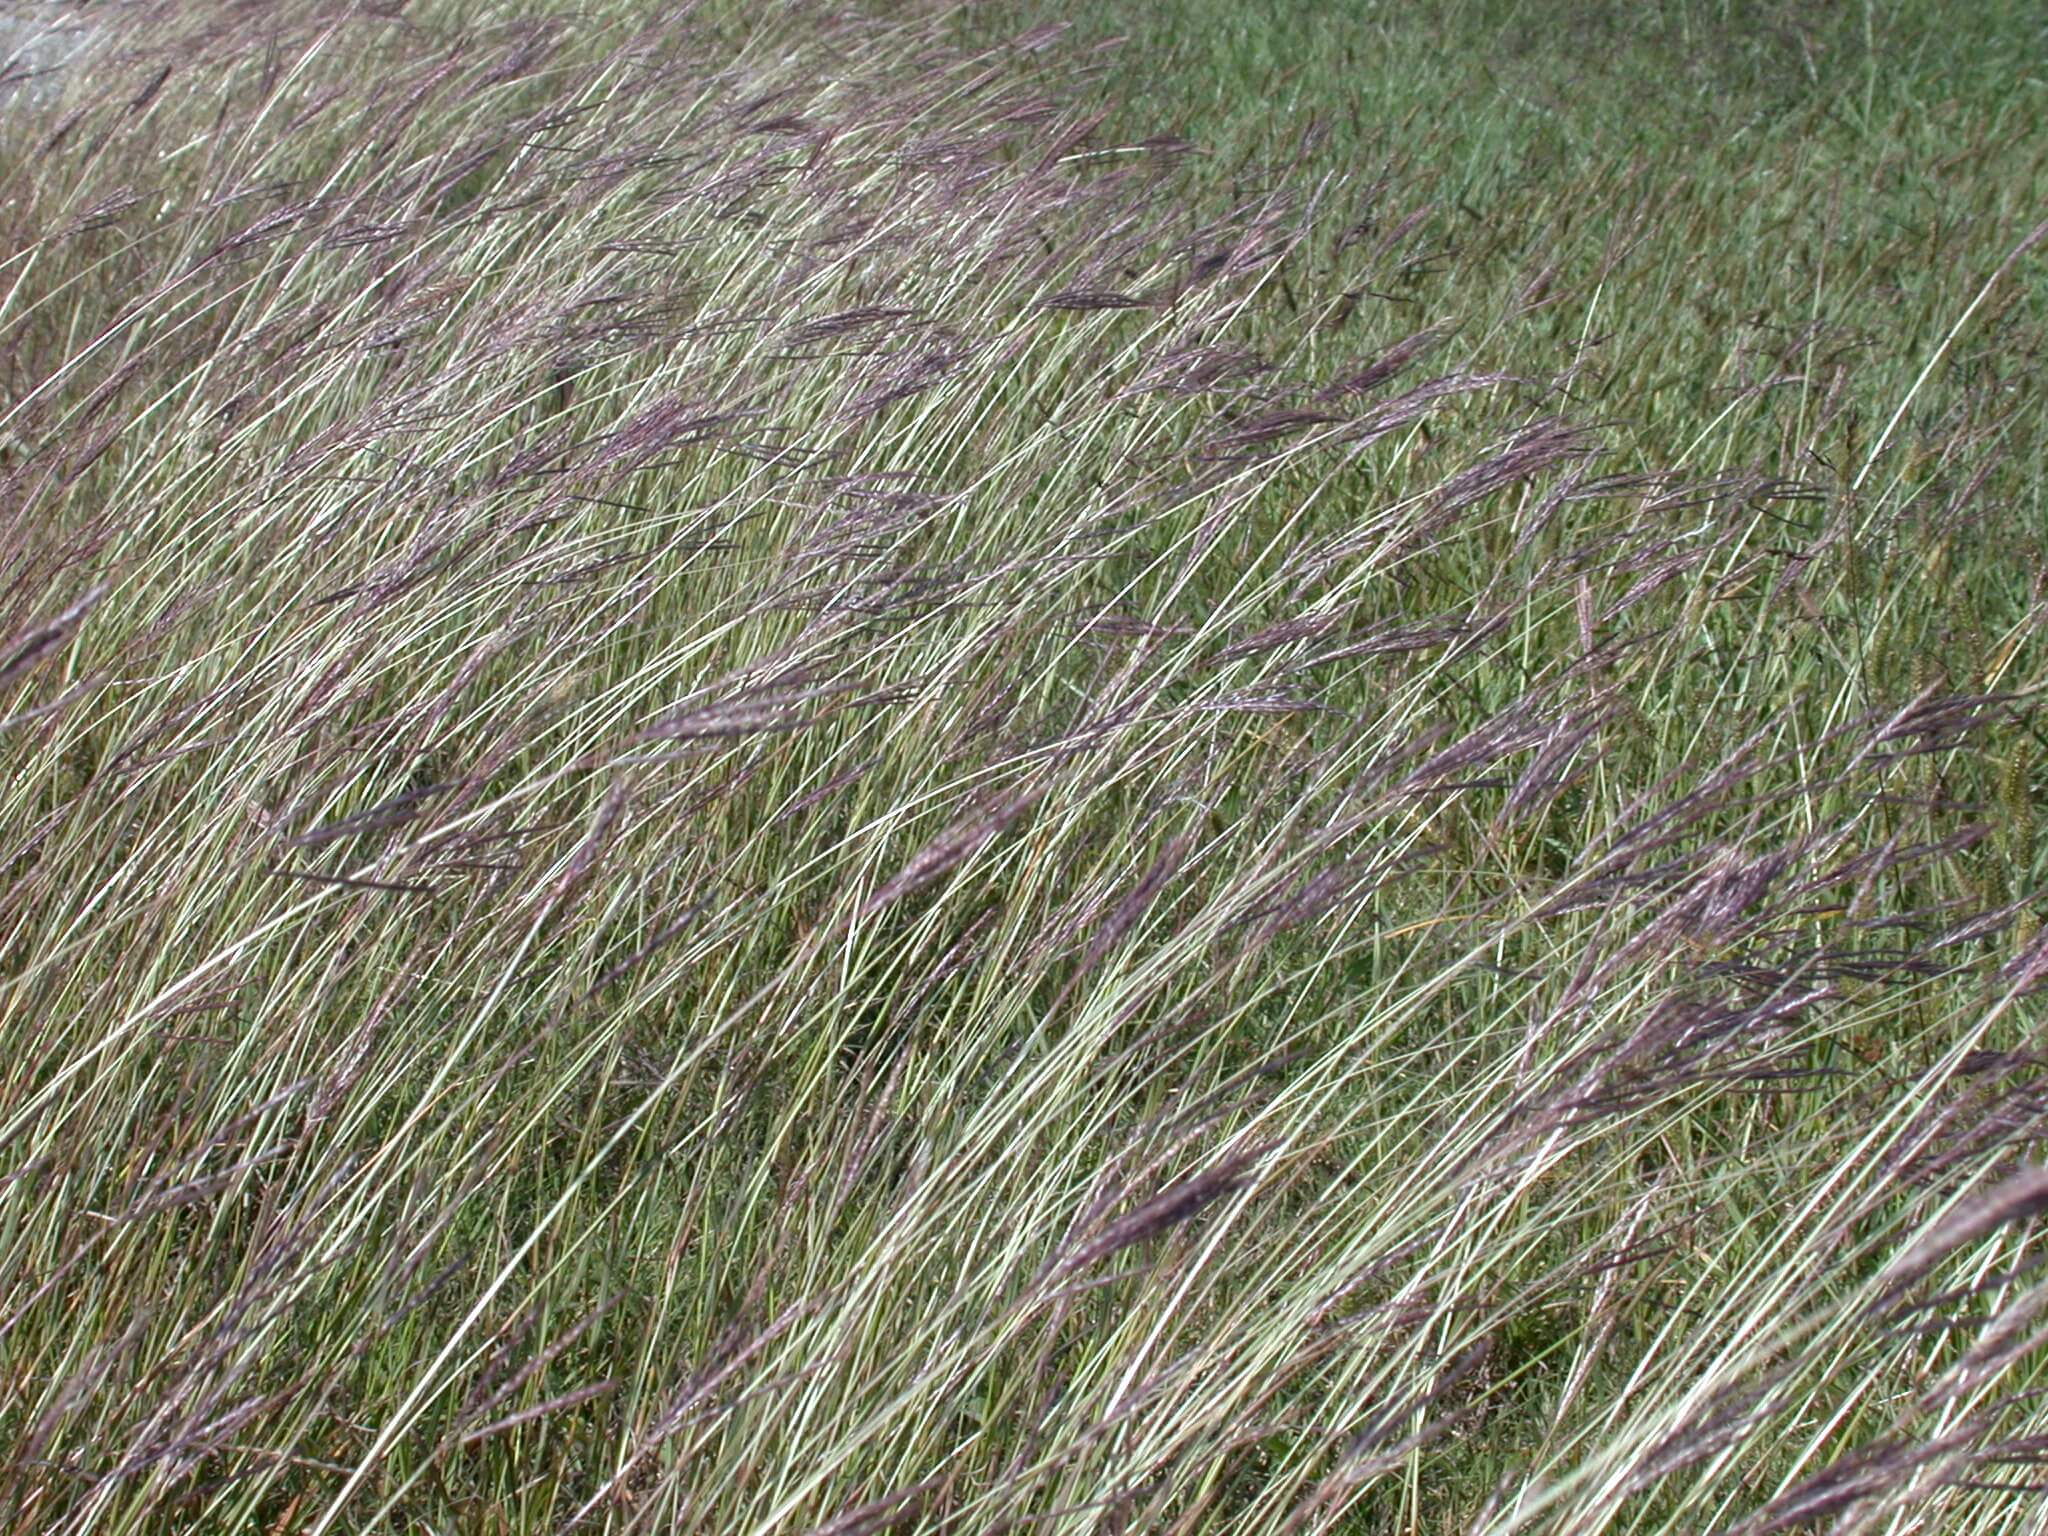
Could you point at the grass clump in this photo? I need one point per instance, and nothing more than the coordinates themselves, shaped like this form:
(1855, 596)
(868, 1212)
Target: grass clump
(756, 781)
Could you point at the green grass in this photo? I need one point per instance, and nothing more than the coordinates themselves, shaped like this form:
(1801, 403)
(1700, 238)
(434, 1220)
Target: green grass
(756, 780)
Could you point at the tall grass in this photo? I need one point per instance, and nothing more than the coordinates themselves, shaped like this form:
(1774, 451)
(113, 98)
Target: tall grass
(755, 783)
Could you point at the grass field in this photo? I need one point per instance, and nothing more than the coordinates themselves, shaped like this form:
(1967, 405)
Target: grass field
(1255, 767)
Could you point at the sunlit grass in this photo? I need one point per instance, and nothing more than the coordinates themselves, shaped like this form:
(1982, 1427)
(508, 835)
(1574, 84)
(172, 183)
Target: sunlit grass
(753, 783)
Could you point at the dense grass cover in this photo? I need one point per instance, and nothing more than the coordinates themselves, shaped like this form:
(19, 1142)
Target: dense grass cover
(756, 780)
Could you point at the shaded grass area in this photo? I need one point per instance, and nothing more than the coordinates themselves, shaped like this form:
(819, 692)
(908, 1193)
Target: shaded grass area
(1712, 197)
(758, 781)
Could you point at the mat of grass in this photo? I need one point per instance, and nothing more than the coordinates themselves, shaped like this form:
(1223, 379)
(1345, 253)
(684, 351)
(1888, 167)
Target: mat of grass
(888, 772)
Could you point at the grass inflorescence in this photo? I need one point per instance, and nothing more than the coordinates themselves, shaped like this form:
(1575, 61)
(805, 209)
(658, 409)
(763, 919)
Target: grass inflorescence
(759, 778)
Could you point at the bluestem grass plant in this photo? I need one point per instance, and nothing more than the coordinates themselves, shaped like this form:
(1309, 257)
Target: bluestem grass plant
(755, 784)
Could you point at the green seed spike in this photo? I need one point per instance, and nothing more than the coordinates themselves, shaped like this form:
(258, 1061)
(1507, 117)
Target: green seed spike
(2016, 800)
(1936, 566)
(1874, 656)
(1928, 672)
(2024, 928)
